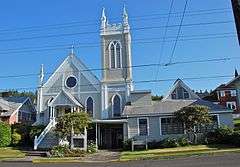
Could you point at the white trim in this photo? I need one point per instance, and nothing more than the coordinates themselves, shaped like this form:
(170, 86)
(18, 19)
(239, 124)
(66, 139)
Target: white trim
(147, 125)
(160, 123)
(65, 82)
(93, 114)
(115, 54)
(120, 97)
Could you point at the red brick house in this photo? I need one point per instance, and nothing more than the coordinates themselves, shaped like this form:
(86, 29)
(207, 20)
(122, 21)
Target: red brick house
(17, 110)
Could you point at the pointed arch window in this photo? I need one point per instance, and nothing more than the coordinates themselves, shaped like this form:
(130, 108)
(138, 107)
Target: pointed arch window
(89, 106)
(115, 54)
(116, 106)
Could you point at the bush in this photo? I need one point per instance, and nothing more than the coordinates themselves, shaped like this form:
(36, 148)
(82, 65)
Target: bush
(170, 143)
(222, 135)
(155, 144)
(235, 138)
(16, 138)
(64, 151)
(5, 134)
(127, 144)
(91, 147)
(183, 141)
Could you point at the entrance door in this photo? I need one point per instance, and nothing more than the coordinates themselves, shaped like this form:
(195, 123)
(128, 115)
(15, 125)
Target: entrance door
(117, 138)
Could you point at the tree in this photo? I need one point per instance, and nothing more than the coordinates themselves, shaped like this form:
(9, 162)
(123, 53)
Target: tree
(72, 123)
(5, 134)
(192, 116)
(157, 98)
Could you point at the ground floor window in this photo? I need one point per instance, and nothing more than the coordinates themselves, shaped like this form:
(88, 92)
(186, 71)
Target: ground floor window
(209, 127)
(143, 126)
(170, 126)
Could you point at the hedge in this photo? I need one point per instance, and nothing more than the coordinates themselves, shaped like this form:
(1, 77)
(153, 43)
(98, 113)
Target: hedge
(5, 134)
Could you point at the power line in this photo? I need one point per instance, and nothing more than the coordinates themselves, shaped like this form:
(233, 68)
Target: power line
(179, 31)
(164, 38)
(133, 66)
(135, 82)
(95, 22)
(133, 29)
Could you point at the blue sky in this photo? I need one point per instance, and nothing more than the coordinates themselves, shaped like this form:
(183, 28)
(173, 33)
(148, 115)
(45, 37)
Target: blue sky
(15, 15)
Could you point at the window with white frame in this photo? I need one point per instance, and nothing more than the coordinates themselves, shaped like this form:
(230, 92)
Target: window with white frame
(143, 126)
(231, 105)
(115, 54)
(170, 126)
(222, 93)
(233, 93)
(89, 106)
(180, 93)
(116, 106)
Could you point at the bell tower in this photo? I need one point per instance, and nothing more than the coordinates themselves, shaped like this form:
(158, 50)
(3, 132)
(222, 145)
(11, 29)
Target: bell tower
(116, 57)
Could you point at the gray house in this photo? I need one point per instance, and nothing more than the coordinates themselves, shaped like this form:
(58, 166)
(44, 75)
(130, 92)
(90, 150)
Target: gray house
(118, 111)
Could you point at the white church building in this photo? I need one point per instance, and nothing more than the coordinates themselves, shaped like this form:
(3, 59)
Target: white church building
(118, 111)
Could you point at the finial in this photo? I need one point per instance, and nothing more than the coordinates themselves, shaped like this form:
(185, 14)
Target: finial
(72, 49)
(41, 75)
(125, 17)
(236, 73)
(103, 19)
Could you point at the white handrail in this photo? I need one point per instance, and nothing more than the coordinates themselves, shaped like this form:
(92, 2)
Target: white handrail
(37, 140)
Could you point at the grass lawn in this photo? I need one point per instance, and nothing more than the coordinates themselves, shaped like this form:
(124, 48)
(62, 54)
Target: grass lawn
(236, 121)
(9, 152)
(175, 152)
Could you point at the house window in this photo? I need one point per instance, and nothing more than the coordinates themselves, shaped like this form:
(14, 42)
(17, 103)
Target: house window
(115, 54)
(233, 93)
(231, 105)
(89, 106)
(222, 93)
(209, 127)
(71, 82)
(171, 126)
(180, 93)
(116, 106)
(143, 126)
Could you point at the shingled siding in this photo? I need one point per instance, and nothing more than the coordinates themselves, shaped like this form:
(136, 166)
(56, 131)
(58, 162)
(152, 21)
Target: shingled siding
(226, 119)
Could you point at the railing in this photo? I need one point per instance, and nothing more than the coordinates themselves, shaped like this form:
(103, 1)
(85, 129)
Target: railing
(37, 140)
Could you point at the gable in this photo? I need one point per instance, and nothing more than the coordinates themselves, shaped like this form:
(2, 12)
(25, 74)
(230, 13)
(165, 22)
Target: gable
(71, 66)
(181, 91)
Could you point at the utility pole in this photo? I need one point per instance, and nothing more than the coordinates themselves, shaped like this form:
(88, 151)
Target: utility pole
(236, 12)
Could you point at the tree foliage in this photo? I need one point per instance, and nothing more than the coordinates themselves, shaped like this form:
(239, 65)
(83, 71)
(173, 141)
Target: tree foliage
(5, 134)
(192, 116)
(76, 121)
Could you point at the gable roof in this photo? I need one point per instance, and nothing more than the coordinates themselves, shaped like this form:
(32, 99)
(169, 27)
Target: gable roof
(180, 83)
(78, 64)
(63, 95)
(169, 107)
(11, 104)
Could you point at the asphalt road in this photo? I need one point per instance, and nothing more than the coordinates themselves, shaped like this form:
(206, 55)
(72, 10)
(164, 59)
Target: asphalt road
(227, 160)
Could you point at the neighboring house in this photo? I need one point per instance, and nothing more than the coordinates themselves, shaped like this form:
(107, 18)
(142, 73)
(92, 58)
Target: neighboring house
(118, 111)
(154, 121)
(228, 94)
(17, 110)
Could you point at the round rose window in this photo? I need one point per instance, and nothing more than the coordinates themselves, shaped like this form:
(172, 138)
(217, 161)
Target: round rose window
(71, 82)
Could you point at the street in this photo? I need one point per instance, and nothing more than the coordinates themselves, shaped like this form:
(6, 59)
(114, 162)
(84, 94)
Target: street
(226, 160)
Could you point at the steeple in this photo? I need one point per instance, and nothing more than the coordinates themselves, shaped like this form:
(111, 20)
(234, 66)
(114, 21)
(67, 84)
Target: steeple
(103, 19)
(41, 75)
(236, 73)
(125, 17)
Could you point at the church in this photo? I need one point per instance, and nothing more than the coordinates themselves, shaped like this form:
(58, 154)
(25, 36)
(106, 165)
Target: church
(118, 111)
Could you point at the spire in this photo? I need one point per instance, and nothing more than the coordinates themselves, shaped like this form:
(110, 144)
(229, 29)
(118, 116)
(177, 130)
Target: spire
(41, 75)
(236, 73)
(103, 19)
(125, 17)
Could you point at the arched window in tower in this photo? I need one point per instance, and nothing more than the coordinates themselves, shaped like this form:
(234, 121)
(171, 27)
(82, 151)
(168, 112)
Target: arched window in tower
(89, 106)
(112, 54)
(116, 106)
(118, 55)
(115, 54)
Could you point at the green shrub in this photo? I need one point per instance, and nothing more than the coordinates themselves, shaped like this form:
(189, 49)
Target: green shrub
(127, 144)
(183, 141)
(5, 134)
(235, 138)
(91, 147)
(65, 151)
(170, 143)
(155, 144)
(16, 138)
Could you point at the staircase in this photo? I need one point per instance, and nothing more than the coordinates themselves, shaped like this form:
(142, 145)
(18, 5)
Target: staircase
(47, 138)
